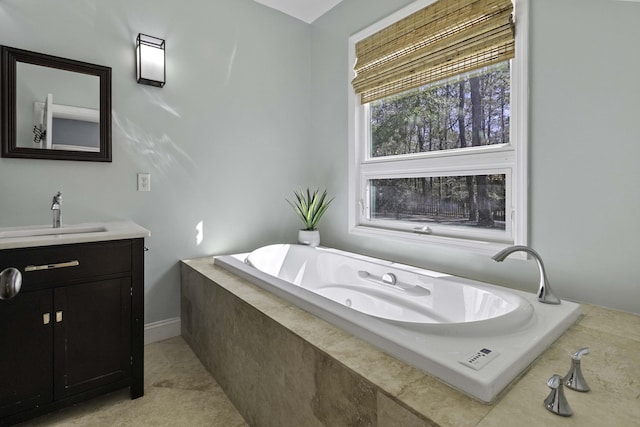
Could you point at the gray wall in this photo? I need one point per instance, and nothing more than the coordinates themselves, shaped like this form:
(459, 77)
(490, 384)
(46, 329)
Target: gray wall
(232, 130)
(221, 140)
(584, 149)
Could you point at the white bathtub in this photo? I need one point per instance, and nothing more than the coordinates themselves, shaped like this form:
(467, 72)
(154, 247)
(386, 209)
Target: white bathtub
(474, 336)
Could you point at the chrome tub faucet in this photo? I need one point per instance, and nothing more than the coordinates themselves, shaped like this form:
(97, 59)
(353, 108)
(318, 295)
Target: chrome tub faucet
(574, 378)
(545, 294)
(556, 402)
(56, 204)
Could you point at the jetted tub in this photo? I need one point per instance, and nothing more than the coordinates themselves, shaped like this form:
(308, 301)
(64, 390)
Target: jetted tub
(474, 336)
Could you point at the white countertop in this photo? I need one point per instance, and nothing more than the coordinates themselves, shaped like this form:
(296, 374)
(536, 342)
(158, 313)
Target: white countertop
(74, 233)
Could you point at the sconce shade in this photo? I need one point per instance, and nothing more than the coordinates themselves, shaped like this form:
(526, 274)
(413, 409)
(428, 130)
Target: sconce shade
(150, 61)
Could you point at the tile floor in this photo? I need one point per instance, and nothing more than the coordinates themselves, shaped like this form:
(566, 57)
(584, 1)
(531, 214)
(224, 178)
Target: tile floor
(178, 392)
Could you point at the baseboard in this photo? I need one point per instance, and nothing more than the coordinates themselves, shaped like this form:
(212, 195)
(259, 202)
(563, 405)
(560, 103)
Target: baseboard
(162, 330)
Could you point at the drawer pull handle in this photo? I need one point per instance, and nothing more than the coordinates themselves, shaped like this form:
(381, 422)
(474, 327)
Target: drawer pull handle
(51, 266)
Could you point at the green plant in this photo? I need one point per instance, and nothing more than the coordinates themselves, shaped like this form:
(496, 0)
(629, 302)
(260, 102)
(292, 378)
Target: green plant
(310, 206)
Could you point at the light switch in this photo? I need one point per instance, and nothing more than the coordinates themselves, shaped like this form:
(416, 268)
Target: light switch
(144, 182)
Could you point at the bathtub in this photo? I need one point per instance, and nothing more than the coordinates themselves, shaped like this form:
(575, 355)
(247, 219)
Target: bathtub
(471, 335)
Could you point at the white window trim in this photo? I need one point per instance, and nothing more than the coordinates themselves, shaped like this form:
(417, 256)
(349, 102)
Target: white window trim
(519, 139)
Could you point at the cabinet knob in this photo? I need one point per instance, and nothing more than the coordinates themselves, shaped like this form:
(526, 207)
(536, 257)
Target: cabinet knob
(59, 316)
(10, 283)
(46, 318)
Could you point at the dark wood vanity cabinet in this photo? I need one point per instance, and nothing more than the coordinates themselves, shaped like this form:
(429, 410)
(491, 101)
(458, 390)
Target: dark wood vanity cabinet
(26, 362)
(72, 332)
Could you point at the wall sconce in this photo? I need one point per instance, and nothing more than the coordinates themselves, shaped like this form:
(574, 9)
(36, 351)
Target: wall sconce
(150, 60)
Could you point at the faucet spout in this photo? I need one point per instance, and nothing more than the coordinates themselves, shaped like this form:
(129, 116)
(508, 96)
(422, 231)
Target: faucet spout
(56, 208)
(545, 294)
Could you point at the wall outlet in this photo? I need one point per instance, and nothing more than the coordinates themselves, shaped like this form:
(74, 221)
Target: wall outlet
(144, 182)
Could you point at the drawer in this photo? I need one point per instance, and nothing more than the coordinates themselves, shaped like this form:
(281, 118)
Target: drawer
(47, 265)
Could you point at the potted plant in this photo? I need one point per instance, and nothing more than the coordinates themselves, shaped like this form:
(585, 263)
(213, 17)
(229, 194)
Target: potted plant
(310, 206)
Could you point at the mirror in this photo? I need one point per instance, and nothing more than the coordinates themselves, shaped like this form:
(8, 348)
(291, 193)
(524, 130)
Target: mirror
(54, 108)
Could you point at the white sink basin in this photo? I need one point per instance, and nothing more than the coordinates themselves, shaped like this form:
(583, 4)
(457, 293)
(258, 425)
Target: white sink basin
(50, 231)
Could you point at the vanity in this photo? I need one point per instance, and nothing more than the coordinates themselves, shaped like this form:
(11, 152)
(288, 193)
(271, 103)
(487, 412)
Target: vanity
(74, 330)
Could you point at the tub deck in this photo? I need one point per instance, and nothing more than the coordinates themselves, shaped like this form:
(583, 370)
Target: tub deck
(282, 366)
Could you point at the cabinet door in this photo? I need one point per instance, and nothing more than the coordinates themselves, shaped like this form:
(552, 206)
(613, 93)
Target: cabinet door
(92, 339)
(25, 351)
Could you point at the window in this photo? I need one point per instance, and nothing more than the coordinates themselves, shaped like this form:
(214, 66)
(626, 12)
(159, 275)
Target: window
(438, 125)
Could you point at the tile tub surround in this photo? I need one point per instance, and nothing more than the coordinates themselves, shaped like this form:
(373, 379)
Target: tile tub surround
(282, 366)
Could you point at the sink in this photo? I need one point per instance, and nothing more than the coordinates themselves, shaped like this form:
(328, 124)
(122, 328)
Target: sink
(50, 231)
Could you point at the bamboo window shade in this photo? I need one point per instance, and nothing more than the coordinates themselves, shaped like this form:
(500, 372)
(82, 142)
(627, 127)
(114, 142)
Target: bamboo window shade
(444, 39)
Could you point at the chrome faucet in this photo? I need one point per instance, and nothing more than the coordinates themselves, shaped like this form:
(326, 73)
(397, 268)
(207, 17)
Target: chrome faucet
(574, 378)
(556, 402)
(545, 294)
(57, 211)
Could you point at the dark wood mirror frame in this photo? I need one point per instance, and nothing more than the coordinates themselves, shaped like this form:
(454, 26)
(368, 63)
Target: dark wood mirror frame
(8, 127)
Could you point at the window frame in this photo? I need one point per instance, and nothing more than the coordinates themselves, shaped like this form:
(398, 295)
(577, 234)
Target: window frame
(511, 157)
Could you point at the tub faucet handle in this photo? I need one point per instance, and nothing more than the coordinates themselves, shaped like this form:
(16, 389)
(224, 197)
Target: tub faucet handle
(574, 378)
(556, 402)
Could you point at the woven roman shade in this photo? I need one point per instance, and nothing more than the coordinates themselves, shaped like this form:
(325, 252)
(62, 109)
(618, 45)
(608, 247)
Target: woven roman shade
(446, 38)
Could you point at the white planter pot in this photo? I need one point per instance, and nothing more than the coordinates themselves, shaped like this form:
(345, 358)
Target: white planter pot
(309, 237)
